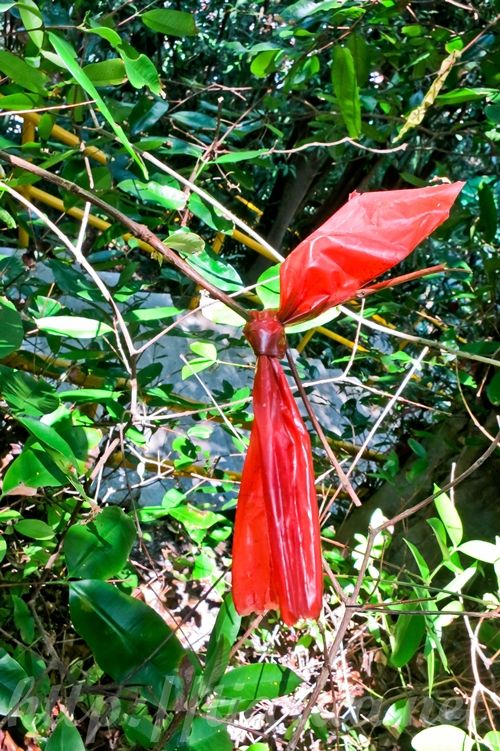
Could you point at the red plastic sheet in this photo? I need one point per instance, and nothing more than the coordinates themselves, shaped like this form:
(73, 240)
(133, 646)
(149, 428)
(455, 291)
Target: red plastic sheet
(276, 550)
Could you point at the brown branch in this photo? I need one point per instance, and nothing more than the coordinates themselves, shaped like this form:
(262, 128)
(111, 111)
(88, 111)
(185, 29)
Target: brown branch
(319, 431)
(139, 231)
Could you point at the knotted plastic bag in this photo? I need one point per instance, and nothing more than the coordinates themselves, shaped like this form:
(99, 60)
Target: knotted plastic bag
(276, 549)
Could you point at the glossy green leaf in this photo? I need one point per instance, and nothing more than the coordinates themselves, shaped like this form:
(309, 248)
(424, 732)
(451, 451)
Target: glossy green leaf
(65, 737)
(11, 328)
(492, 740)
(481, 550)
(48, 436)
(208, 735)
(196, 521)
(241, 156)
(3, 547)
(129, 640)
(219, 313)
(106, 73)
(460, 96)
(407, 637)
(34, 469)
(305, 8)
(82, 396)
(268, 287)
(100, 548)
(217, 272)
(153, 192)
(185, 242)
(68, 57)
(449, 516)
(242, 687)
(442, 738)
(176, 23)
(264, 63)
(346, 90)
(140, 69)
(32, 20)
(14, 684)
(25, 394)
(208, 214)
(144, 315)
(21, 73)
(397, 717)
(222, 638)
(77, 327)
(34, 528)
(320, 320)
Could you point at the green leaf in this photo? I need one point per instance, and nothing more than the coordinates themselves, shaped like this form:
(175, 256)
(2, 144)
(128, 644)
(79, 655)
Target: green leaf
(214, 270)
(77, 327)
(320, 320)
(398, 717)
(11, 328)
(22, 74)
(35, 529)
(176, 23)
(487, 212)
(129, 640)
(208, 214)
(360, 51)
(268, 287)
(492, 740)
(222, 638)
(346, 90)
(208, 735)
(3, 547)
(481, 550)
(109, 72)
(408, 633)
(442, 737)
(32, 20)
(82, 396)
(242, 687)
(460, 96)
(68, 57)
(154, 192)
(185, 242)
(23, 619)
(240, 156)
(65, 737)
(34, 469)
(195, 521)
(263, 63)
(144, 315)
(48, 436)
(7, 219)
(14, 684)
(492, 389)
(449, 516)
(140, 69)
(99, 549)
(25, 394)
(219, 313)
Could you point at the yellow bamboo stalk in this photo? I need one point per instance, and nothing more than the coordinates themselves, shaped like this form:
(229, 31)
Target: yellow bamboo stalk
(69, 139)
(27, 136)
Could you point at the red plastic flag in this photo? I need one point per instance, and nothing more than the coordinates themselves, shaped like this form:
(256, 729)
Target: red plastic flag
(276, 549)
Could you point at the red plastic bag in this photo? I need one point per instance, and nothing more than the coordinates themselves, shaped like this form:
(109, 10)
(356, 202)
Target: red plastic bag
(276, 549)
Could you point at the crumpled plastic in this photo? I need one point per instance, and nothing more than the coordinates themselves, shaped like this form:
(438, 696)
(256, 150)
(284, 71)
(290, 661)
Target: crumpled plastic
(276, 548)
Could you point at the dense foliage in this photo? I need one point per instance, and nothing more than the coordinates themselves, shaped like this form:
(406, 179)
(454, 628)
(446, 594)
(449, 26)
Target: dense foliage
(231, 130)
